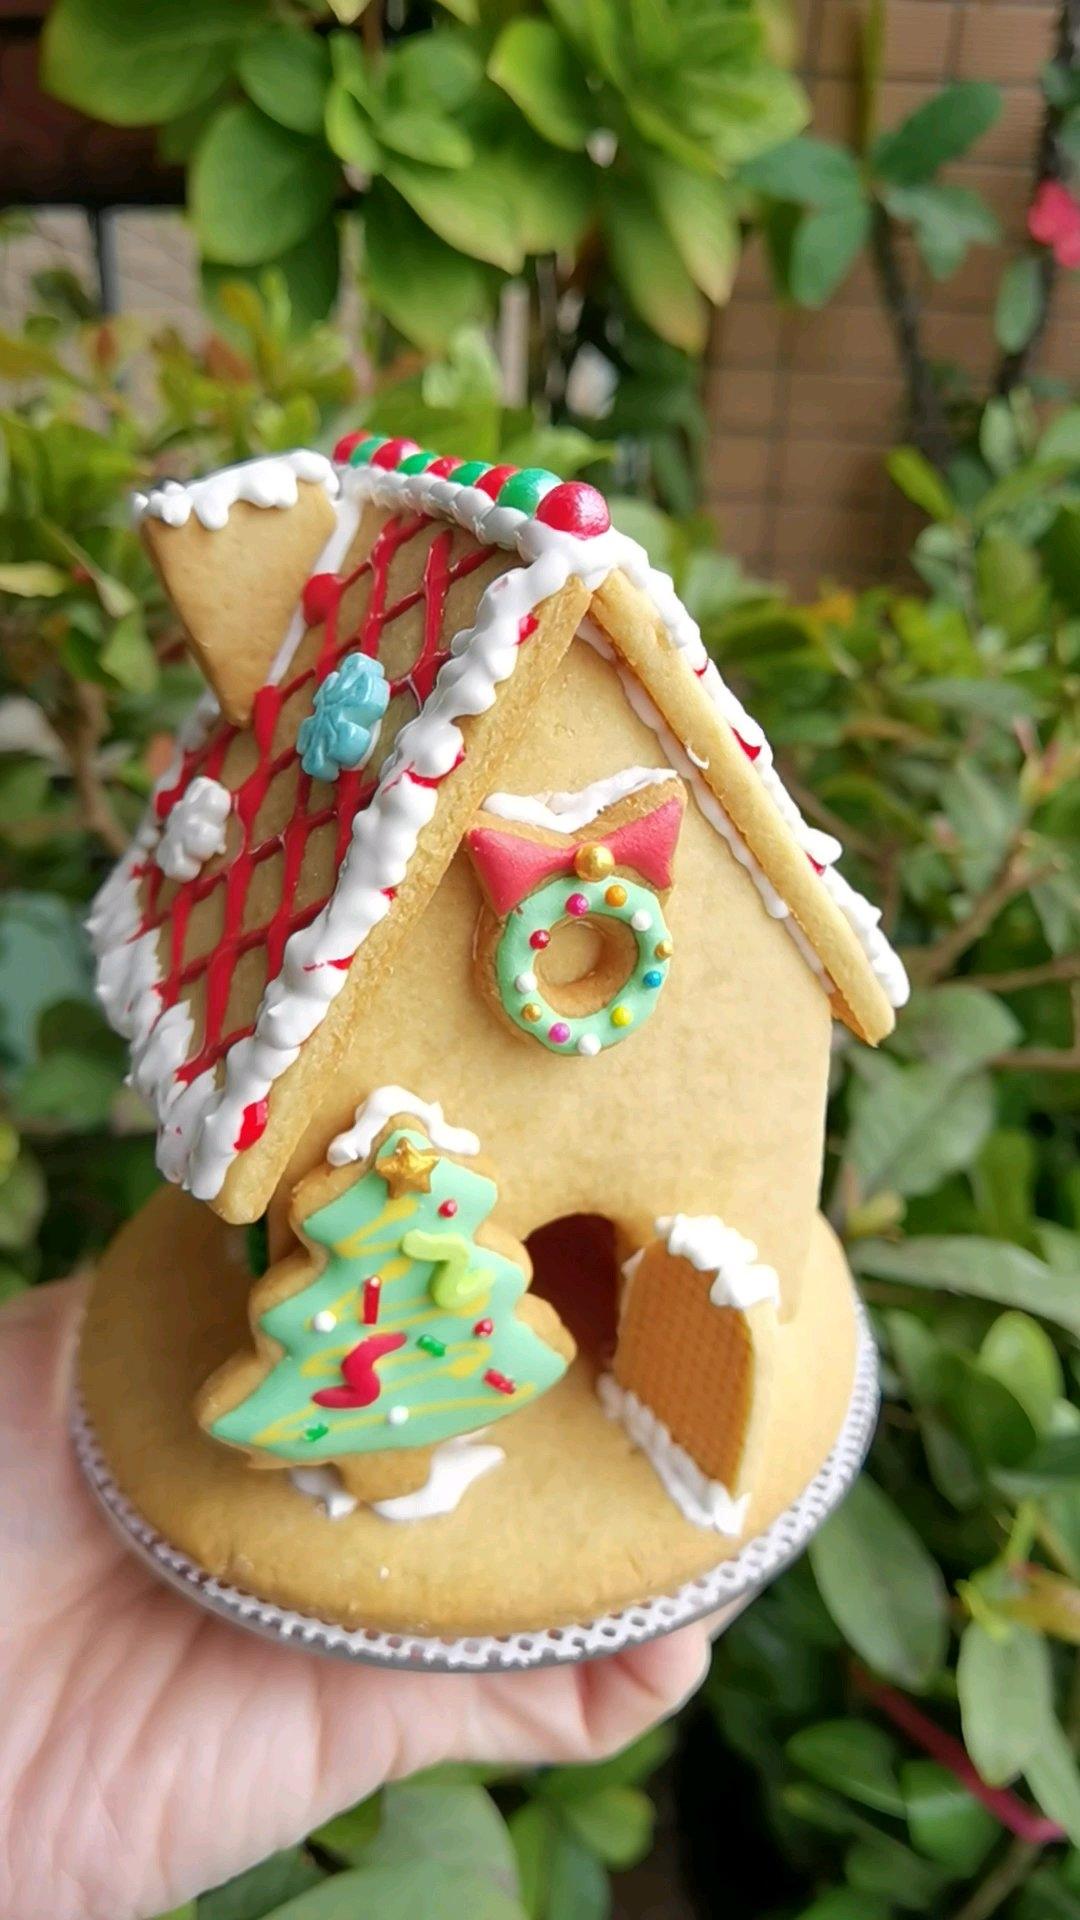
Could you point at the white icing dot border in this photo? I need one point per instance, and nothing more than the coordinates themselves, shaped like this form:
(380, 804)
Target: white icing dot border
(738, 1578)
(201, 1123)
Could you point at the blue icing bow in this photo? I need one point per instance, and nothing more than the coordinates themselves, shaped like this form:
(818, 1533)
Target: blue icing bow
(341, 730)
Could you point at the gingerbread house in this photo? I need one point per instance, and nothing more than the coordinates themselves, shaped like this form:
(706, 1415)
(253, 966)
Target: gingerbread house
(473, 895)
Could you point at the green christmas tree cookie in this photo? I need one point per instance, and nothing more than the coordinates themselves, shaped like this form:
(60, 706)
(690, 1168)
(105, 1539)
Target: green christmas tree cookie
(404, 1336)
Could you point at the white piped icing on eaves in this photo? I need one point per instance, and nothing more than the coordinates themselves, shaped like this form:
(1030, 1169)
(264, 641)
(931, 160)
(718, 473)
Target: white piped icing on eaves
(195, 829)
(381, 1106)
(568, 812)
(272, 481)
(704, 1502)
(454, 1467)
(200, 1123)
(740, 1279)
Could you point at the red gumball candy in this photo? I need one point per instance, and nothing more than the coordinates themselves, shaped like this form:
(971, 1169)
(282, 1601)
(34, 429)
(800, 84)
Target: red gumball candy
(575, 507)
(320, 597)
(494, 480)
(347, 442)
(393, 452)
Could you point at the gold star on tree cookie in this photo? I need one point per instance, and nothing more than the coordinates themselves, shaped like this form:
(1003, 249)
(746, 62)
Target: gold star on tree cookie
(408, 1169)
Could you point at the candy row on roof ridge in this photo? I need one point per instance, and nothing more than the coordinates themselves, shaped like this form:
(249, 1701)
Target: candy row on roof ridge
(571, 506)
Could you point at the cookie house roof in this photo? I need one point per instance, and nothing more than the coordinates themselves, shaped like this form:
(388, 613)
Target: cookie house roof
(567, 552)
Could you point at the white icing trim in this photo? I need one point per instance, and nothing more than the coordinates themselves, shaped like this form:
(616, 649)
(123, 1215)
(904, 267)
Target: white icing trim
(324, 1485)
(567, 812)
(195, 829)
(379, 1107)
(272, 481)
(713, 1247)
(454, 1466)
(200, 1123)
(704, 1502)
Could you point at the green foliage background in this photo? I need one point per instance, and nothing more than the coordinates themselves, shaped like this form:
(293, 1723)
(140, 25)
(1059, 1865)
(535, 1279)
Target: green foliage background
(606, 158)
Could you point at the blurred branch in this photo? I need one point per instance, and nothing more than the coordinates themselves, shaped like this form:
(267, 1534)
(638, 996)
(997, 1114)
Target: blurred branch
(930, 428)
(1010, 1872)
(928, 965)
(1047, 1059)
(1065, 967)
(81, 727)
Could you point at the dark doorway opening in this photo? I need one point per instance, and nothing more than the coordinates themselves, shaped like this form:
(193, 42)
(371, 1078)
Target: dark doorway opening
(575, 1266)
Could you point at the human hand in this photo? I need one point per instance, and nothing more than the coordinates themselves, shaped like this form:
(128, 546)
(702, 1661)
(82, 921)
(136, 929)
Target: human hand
(150, 1751)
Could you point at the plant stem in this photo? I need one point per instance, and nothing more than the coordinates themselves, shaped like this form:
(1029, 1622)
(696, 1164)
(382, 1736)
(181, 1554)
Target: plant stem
(929, 422)
(1002, 1880)
(1065, 967)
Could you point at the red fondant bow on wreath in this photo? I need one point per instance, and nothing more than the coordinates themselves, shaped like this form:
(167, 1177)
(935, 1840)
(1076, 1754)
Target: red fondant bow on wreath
(510, 865)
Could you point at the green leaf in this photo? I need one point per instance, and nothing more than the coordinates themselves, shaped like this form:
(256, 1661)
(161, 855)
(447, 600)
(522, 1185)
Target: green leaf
(807, 171)
(578, 1888)
(1019, 304)
(843, 1904)
(449, 1828)
(1004, 1688)
(947, 221)
(651, 271)
(854, 1757)
(262, 1889)
(433, 70)
(22, 359)
(1061, 441)
(824, 250)
(1019, 1353)
(533, 1832)
(32, 580)
(615, 1823)
(68, 1089)
(22, 1203)
(945, 1820)
(911, 471)
(349, 130)
(957, 1026)
(128, 657)
(912, 1126)
(937, 132)
(628, 1768)
(698, 215)
(287, 72)
(404, 1891)
(541, 73)
(350, 1834)
(968, 1264)
(135, 63)
(1055, 1459)
(1051, 1773)
(310, 273)
(415, 279)
(255, 188)
(469, 209)
(881, 1587)
(425, 136)
(550, 191)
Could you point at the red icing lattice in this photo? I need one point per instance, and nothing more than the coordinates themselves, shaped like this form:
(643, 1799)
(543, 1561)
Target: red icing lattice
(337, 804)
